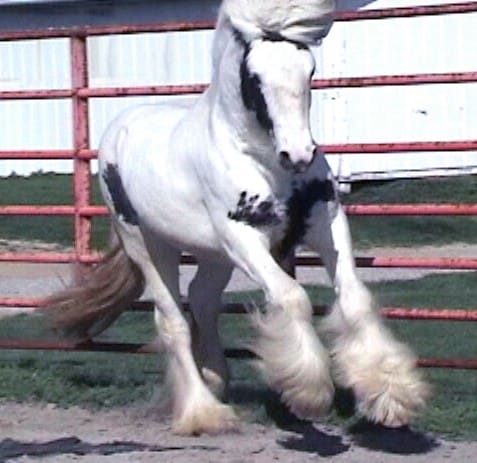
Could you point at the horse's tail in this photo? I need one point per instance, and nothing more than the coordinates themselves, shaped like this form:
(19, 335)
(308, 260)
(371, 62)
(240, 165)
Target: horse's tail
(97, 296)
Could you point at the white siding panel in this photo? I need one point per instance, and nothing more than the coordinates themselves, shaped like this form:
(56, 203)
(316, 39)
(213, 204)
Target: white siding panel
(150, 59)
(33, 125)
(429, 44)
(35, 64)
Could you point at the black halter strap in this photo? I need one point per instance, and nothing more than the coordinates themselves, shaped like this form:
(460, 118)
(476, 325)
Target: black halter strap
(271, 36)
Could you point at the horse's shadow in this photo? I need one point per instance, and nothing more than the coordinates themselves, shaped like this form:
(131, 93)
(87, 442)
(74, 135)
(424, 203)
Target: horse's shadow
(310, 439)
(402, 441)
(307, 438)
(11, 449)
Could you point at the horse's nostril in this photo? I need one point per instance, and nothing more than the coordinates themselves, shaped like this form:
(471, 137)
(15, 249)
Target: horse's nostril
(285, 160)
(284, 156)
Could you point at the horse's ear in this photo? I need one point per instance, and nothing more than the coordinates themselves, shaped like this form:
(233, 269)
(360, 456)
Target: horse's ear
(248, 31)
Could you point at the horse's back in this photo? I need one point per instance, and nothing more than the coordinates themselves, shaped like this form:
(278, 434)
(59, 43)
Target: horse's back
(149, 123)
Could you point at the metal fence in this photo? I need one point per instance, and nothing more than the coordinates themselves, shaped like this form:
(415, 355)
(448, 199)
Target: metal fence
(83, 211)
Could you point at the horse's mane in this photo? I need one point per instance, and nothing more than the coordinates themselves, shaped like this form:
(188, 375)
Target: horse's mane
(306, 21)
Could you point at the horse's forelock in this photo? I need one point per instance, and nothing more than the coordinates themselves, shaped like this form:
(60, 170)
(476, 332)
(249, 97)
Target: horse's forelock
(304, 21)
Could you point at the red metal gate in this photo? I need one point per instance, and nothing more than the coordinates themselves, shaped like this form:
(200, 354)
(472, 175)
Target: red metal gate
(82, 154)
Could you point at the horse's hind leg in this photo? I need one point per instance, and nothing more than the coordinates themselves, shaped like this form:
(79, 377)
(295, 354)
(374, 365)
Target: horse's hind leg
(367, 358)
(205, 293)
(195, 409)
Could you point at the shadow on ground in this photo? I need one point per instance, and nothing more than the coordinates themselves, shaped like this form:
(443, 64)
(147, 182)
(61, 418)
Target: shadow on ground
(310, 439)
(10, 448)
(402, 441)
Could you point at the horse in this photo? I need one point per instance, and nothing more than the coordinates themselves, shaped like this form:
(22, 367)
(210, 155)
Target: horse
(237, 180)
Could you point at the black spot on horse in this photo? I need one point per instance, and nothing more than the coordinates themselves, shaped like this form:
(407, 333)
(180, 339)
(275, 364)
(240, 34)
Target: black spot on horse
(251, 91)
(253, 212)
(121, 203)
(299, 206)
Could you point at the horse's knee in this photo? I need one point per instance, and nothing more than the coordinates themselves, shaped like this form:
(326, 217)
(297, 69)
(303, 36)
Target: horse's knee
(294, 300)
(174, 332)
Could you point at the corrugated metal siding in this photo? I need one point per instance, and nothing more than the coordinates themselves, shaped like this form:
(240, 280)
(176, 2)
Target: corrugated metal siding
(394, 46)
(146, 59)
(428, 44)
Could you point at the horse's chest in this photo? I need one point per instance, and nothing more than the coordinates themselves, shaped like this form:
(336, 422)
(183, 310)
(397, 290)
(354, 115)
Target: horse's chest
(285, 217)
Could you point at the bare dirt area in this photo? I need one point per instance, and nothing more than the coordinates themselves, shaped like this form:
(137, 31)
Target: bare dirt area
(31, 433)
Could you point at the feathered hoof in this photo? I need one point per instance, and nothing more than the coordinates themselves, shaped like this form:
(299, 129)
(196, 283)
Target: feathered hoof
(211, 419)
(310, 404)
(395, 399)
(389, 389)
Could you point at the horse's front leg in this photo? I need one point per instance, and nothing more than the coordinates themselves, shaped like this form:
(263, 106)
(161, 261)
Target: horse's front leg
(293, 360)
(366, 357)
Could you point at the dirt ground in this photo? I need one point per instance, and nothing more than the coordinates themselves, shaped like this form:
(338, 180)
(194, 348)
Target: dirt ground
(31, 433)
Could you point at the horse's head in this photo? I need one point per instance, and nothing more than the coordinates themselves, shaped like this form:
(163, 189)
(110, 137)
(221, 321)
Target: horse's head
(275, 85)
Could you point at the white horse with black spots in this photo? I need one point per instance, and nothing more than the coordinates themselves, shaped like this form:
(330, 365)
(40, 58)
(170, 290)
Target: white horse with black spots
(238, 181)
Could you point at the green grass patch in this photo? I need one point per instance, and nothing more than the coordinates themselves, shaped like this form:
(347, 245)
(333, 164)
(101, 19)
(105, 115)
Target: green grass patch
(107, 380)
(411, 230)
(47, 189)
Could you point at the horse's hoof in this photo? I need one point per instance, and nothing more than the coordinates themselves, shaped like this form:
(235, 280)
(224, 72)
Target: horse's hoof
(220, 419)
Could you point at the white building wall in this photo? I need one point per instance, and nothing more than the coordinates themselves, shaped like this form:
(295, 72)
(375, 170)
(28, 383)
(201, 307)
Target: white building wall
(426, 44)
(363, 48)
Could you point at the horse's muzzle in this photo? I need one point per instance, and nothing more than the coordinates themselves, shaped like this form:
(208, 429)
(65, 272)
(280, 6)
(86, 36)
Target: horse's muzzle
(300, 166)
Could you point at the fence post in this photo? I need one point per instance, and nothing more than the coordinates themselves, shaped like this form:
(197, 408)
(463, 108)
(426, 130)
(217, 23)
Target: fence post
(81, 175)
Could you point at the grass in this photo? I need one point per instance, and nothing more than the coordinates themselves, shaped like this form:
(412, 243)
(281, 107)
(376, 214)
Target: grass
(101, 380)
(106, 380)
(50, 189)
(414, 231)
(46, 189)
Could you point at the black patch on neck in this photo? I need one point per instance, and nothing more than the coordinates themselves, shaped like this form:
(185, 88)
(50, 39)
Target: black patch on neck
(121, 203)
(299, 206)
(255, 213)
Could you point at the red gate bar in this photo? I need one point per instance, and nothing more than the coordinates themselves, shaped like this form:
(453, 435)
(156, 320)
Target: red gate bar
(411, 209)
(355, 209)
(416, 146)
(443, 263)
(81, 171)
(51, 257)
(345, 16)
(132, 348)
(165, 90)
(392, 313)
(49, 154)
(349, 148)
(85, 211)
